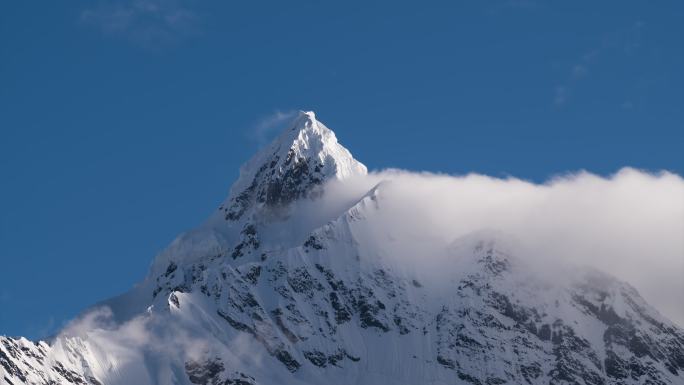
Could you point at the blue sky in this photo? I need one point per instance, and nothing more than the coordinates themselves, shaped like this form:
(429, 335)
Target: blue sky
(124, 123)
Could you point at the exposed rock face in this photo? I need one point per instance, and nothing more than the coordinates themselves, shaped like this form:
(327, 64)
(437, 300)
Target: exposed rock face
(293, 167)
(331, 309)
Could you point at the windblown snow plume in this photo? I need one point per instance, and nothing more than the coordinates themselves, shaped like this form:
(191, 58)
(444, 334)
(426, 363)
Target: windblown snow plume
(315, 271)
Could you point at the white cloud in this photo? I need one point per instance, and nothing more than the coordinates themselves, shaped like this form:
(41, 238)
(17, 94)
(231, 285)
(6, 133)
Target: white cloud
(579, 70)
(266, 127)
(630, 225)
(150, 346)
(146, 22)
(623, 41)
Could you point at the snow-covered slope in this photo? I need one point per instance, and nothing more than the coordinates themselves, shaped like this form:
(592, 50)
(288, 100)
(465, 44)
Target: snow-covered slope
(274, 291)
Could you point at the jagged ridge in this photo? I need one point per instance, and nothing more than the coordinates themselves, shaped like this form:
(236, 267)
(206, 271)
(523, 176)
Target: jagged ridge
(219, 308)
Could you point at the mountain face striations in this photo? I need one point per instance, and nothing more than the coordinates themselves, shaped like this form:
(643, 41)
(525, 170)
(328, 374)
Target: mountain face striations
(275, 288)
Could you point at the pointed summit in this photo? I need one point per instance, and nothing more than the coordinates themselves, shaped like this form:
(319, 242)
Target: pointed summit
(293, 166)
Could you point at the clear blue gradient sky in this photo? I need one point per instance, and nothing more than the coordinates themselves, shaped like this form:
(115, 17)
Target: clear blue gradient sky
(124, 123)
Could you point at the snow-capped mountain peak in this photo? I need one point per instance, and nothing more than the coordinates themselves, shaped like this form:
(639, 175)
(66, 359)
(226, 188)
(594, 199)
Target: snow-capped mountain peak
(293, 166)
(259, 295)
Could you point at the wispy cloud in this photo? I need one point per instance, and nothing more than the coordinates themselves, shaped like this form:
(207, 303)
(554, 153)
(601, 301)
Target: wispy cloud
(268, 125)
(156, 337)
(150, 23)
(629, 224)
(578, 71)
(624, 41)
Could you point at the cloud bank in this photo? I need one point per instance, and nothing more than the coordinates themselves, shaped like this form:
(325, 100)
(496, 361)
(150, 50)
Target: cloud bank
(630, 225)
